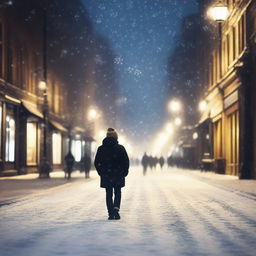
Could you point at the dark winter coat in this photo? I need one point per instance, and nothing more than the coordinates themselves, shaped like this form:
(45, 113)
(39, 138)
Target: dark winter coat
(70, 160)
(111, 163)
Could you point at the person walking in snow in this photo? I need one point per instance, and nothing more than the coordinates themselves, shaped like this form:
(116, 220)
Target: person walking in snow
(161, 162)
(145, 163)
(112, 165)
(70, 160)
(86, 163)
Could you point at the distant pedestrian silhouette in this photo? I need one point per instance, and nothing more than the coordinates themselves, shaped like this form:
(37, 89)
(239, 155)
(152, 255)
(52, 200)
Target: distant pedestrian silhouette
(161, 162)
(86, 165)
(70, 160)
(112, 164)
(145, 163)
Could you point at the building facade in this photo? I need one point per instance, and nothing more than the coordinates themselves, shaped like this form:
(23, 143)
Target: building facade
(21, 100)
(229, 78)
(43, 41)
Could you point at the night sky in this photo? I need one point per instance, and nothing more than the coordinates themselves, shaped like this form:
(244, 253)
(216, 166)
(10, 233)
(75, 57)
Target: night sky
(143, 34)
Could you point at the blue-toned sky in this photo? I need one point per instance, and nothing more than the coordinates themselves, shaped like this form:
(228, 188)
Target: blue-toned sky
(142, 34)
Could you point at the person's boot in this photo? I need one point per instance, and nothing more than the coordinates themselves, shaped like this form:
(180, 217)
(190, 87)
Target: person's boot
(111, 217)
(116, 213)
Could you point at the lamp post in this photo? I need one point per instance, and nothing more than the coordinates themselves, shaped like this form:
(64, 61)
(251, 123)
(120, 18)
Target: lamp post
(219, 13)
(45, 167)
(92, 115)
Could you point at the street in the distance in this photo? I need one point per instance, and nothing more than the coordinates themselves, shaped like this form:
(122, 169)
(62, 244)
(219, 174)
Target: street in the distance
(165, 212)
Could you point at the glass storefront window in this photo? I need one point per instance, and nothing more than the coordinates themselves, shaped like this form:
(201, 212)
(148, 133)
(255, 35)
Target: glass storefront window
(1, 116)
(56, 148)
(10, 139)
(77, 149)
(32, 145)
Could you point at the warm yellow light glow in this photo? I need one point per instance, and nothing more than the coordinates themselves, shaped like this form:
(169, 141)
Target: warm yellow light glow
(177, 121)
(121, 139)
(102, 134)
(169, 128)
(32, 143)
(174, 106)
(218, 13)
(162, 137)
(195, 135)
(42, 85)
(202, 105)
(129, 149)
(56, 148)
(92, 114)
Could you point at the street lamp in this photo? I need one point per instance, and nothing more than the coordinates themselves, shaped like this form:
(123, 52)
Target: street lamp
(44, 167)
(202, 106)
(92, 114)
(174, 106)
(195, 136)
(219, 13)
(177, 121)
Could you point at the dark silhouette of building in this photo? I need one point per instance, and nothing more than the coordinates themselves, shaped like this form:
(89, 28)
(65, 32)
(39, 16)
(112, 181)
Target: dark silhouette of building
(185, 69)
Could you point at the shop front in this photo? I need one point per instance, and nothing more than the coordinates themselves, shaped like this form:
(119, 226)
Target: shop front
(9, 140)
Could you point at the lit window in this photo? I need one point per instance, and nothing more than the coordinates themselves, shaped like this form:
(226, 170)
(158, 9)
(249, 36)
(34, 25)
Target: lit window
(56, 148)
(1, 116)
(10, 139)
(32, 139)
(77, 149)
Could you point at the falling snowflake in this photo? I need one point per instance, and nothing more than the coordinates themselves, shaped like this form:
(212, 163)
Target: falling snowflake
(135, 71)
(63, 53)
(99, 21)
(98, 59)
(118, 60)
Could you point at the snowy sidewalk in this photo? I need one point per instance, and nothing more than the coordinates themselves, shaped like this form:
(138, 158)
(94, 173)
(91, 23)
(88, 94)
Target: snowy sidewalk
(16, 187)
(167, 213)
(228, 182)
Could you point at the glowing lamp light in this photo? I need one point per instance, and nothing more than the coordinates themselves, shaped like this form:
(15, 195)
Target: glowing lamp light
(102, 134)
(195, 136)
(202, 106)
(218, 13)
(174, 106)
(42, 85)
(169, 128)
(121, 139)
(92, 114)
(177, 121)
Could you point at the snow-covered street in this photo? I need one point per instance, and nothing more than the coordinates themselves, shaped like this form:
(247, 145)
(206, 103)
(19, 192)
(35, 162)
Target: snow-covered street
(166, 212)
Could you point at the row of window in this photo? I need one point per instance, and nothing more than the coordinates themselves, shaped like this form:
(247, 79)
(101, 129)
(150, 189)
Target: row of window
(232, 45)
(22, 68)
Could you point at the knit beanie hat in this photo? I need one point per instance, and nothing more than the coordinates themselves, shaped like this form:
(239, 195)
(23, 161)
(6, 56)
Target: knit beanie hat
(111, 132)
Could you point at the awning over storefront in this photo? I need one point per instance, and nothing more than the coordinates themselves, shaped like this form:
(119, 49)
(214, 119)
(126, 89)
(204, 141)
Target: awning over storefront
(204, 117)
(32, 109)
(203, 122)
(58, 126)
